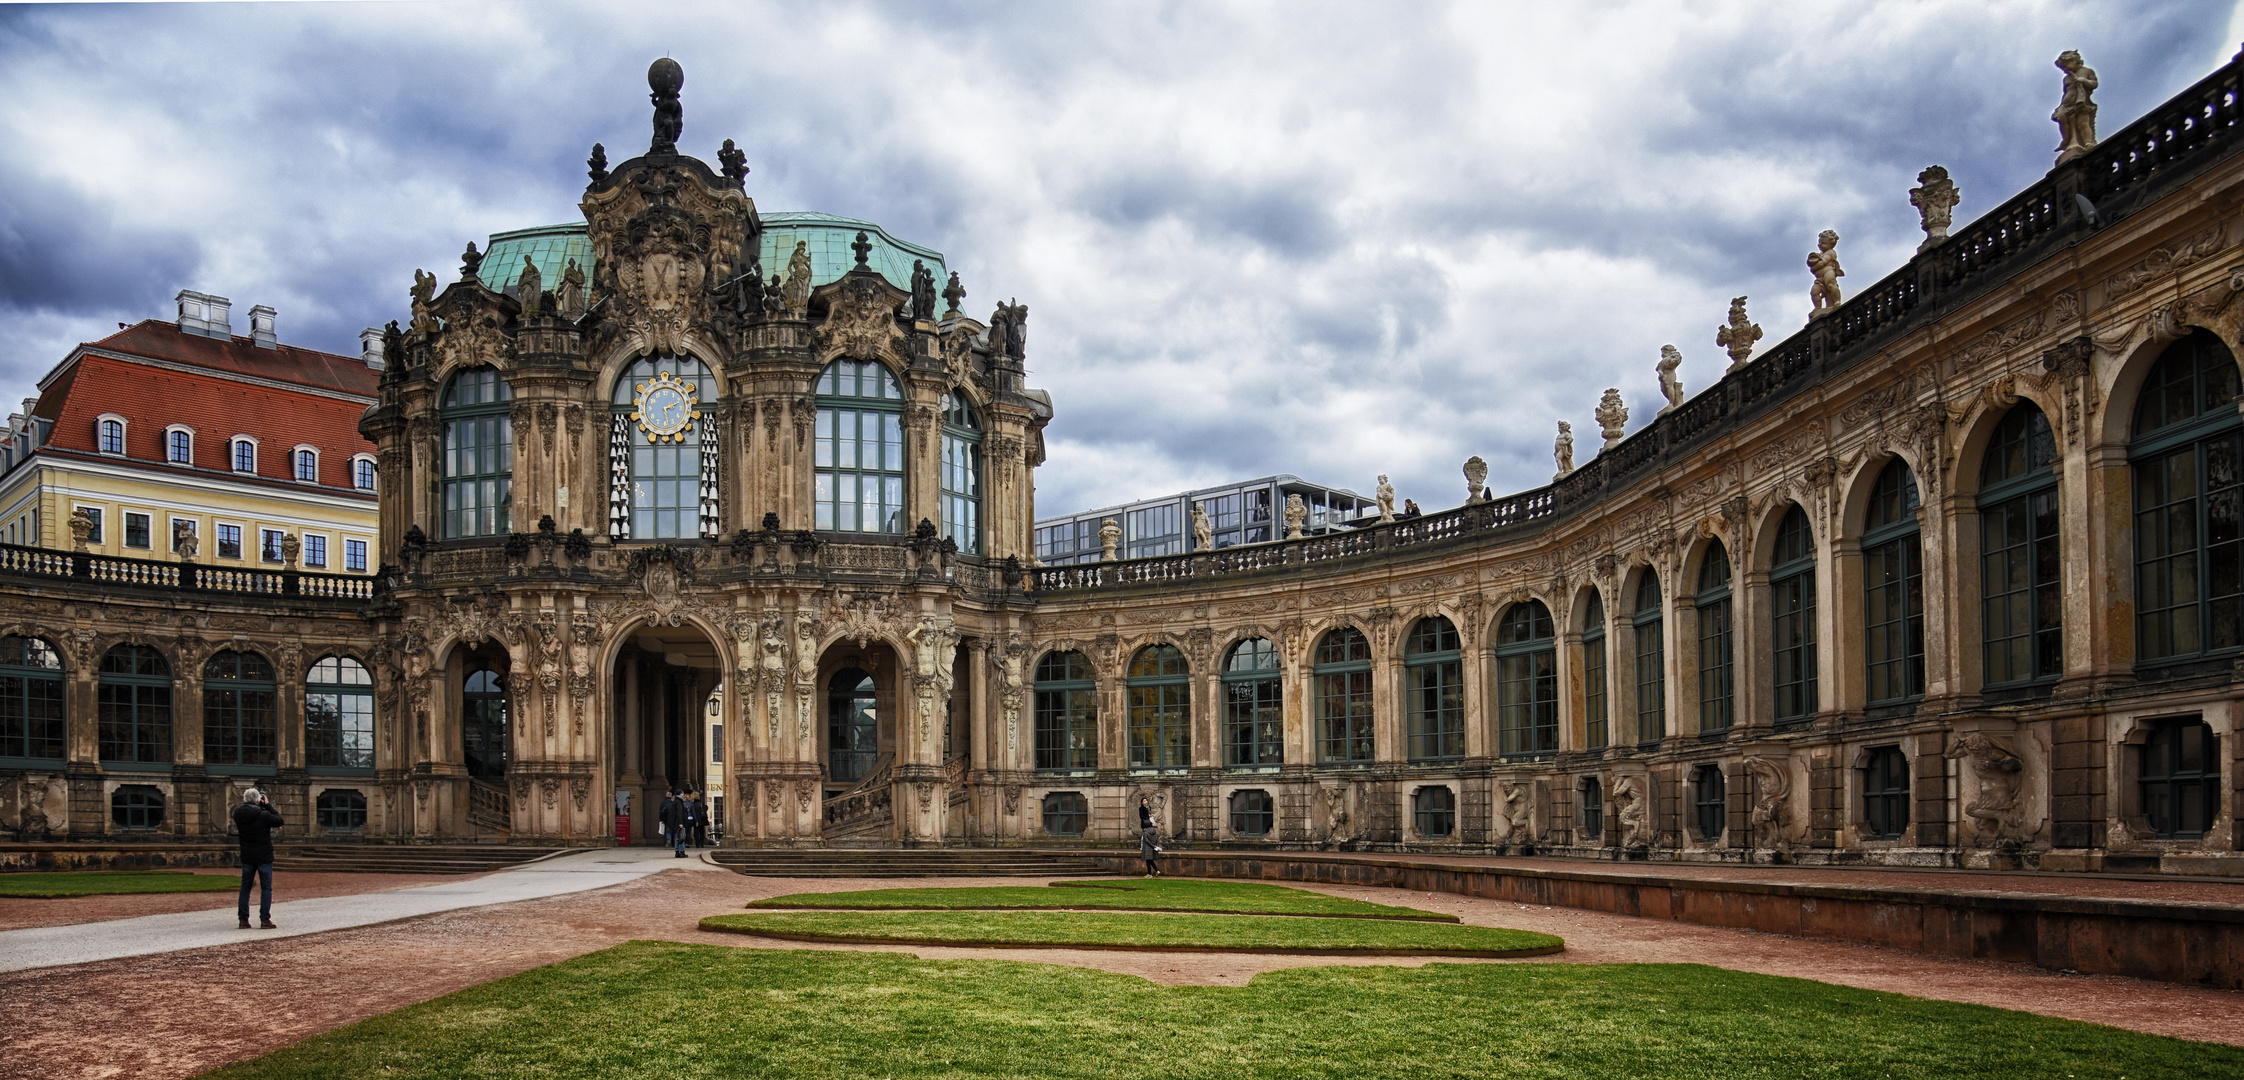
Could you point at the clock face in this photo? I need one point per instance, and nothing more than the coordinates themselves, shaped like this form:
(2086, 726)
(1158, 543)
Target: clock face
(666, 407)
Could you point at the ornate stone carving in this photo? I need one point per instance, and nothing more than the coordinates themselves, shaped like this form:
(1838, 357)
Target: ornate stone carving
(1995, 805)
(1385, 493)
(1297, 513)
(1476, 478)
(1627, 796)
(1518, 810)
(1671, 386)
(1110, 538)
(1823, 262)
(1562, 451)
(2165, 260)
(1772, 786)
(1203, 532)
(1612, 418)
(2076, 108)
(1739, 336)
(1935, 198)
(861, 320)
(796, 292)
(803, 792)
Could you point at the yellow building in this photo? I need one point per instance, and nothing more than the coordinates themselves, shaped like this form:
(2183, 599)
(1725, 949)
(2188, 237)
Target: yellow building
(171, 440)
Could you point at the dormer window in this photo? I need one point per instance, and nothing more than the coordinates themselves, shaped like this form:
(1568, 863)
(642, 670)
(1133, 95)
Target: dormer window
(362, 473)
(245, 454)
(110, 435)
(307, 464)
(179, 446)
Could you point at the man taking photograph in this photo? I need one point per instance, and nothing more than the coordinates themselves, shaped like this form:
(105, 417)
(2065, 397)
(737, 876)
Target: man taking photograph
(255, 819)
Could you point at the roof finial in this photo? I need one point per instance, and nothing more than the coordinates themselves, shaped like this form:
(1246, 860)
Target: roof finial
(863, 248)
(664, 77)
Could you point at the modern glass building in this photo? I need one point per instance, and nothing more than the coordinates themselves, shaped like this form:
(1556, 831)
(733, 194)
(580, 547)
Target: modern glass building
(1252, 512)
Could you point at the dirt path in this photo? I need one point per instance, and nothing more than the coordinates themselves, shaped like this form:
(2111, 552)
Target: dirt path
(178, 1014)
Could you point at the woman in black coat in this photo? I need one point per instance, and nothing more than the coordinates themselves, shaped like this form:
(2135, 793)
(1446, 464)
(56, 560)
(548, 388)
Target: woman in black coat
(1149, 839)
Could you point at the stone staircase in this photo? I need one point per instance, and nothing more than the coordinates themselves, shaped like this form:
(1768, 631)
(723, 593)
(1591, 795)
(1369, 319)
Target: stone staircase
(403, 858)
(916, 862)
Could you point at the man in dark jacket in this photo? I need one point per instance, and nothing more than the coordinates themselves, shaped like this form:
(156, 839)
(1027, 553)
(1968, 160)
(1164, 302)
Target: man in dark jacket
(677, 822)
(255, 820)
(700, 822)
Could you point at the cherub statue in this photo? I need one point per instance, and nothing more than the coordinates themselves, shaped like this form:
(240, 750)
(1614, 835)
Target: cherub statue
(1671, 387)
(1203, 534)
(1297, 513)
(2076, 110)
(1562, 450)
(1739, 336)
(183, 540)
(735, 162)
(1385, 493)
(1823, 262)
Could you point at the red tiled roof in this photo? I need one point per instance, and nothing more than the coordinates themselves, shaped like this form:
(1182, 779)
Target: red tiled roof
(151, 398)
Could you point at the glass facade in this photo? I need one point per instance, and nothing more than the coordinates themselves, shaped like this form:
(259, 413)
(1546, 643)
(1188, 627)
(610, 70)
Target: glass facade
(858, 460)
(478, 454)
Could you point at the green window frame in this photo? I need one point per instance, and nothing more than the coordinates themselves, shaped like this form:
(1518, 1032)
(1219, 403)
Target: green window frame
(134, 707)
(137, 806)
(2021, 577)
(1253, 813)
(2187, 456)
(1595, 728)
(241, 712)
(858, 453)
(1254, 723)
(1885, 792)
(1649, 627)
(1344, 701)
(341, 810)
(484, 736)
(1792, 620)
(34, 720)
(478, 484)
(1526, 682)
(1434, 810)
(961, 471)
(1593, 809)
(1065, 813)
(852, 725)
(672, 492)
(338, 716)
(1067, 713)
(2179, 771)
(1710, 802)
(1160, 709)
(1718, 697)
(1434, 684)
(1893, 638)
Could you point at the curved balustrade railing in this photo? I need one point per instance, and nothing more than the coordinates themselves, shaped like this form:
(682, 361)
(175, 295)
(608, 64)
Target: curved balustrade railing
(112, 570)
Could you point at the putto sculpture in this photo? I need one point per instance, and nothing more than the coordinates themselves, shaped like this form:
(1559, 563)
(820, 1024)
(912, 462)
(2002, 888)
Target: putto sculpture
(1612, 418)
(1203, 533)
(1385, 493)
(1738, 337)
(1935, 198)
(2076, 110)
(1562, 451)
(1823, 262)
(1671, 387)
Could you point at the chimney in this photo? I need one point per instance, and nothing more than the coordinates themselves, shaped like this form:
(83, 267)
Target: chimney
(261, 327)
(205, 315)
(370, 348)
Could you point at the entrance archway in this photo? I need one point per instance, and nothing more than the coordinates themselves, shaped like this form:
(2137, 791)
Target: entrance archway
(663, 679)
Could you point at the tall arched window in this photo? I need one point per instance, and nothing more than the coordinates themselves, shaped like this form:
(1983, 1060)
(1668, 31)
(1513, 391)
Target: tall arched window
(483, 721)
(1594, 726)
(1526, 682)
(338, 715)
(1253, 706)
(241, 724)
(1717, 659)
(859, 458)
(2189, 542)
(1893, 612)
(2022, 605)
(1160, 709)
(661, 427)
(1434, 673)
(1067, 713)
(1343, 674)
(962, 474)
(478, 454)
(32, 723)
(1651, 660)
(135, 706)
(852, 725)
(1792, 618)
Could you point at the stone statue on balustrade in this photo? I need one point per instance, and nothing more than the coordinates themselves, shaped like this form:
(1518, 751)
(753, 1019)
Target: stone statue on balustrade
(1671, 386)
(1935, 198)
(1612, 418)
(529, 287)
(2076, 110)
(81, 528)
(1738, 337)
(183, 540)
(1297, 514)
(1476, 478)
(569, 298)
(1823, 262)
(1110, 538)
(796, 293)
(1562, 451)
(1385, 493)
(1203, 533)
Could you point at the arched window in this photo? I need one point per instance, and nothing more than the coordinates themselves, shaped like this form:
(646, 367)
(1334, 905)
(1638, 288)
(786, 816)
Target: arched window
(478, 454)
(1067, 713)
(1160, 709)
(134, 703)
(2189, 542)
(1526, 682)
(859, 457)
(483, 721)
(660, 427)
(1254, 724)
(1252, 813)
(1717, 660)
(1594, 723)
(240, 717)
(1434, 672)
(852, 725)
(362, 473)
(1893, 611)
(338, 715)
(307, 465)
(1651, 660)
(112, 436)
(2022, 605)
(1593, 810)
(1710, 802)
(179, 446)
(32, 717)
(962, 474)
(1792, 619)
(1885, 793)
(245, 455)
(1435, 811)
(1343, 674)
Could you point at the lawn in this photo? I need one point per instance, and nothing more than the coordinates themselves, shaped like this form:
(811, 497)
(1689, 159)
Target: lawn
(109, 882)
(1141, 894)
(1141, 930)
(688, 1012)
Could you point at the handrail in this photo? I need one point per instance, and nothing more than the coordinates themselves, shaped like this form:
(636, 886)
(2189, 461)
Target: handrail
(189, 577)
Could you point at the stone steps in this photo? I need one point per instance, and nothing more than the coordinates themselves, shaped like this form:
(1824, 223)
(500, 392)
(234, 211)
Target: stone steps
(931, 862)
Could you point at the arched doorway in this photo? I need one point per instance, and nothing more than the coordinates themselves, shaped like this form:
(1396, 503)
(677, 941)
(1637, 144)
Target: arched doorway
(483, 721)
(852, 726)
(664, 679)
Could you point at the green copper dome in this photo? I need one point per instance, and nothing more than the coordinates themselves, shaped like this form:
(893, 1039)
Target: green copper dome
(826, 239)
(550, 246)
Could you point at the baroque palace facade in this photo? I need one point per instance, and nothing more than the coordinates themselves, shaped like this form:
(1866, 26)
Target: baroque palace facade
(1953, 576)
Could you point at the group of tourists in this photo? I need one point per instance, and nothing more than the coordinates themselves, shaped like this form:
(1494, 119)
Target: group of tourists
(683, 819)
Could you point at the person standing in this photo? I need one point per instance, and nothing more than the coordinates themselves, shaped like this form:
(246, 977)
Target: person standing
(1149, 838)
(700, 822)
(255, 819)
(677, 823)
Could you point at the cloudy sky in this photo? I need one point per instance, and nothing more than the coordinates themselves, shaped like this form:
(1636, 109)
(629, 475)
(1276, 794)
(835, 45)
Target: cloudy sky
(1326, 239)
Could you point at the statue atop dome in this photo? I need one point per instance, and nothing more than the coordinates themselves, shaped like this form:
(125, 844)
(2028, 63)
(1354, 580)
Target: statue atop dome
(664, 77)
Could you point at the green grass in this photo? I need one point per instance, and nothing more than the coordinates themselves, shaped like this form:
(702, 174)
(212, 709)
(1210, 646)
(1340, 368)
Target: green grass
(108, 882)
(1133, 894)
(1138, 930)
(688, 1012)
